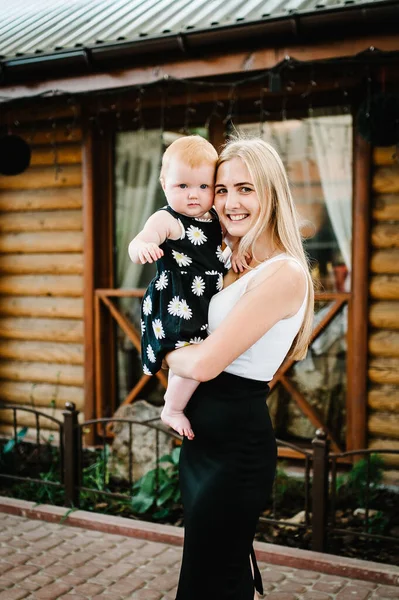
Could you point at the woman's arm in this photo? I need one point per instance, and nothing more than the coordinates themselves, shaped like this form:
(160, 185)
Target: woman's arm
(275, 297)
(159, 227)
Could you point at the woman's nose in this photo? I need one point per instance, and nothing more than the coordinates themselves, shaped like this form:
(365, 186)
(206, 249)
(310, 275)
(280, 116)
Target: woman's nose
(232, 201)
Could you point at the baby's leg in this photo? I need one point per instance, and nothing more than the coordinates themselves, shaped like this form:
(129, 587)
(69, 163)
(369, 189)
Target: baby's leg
(176, 397)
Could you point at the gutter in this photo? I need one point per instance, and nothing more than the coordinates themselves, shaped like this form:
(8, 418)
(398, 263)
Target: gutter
(296, 27)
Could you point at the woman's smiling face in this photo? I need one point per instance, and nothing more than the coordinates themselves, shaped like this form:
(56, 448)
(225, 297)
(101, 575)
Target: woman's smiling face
(236, 200)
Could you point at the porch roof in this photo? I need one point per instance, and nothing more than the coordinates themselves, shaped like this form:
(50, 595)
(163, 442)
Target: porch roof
(33, 28)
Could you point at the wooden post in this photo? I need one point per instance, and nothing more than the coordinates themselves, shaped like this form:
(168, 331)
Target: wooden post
(320, 491)
(88, 277)
(71, 455)
(358, 304)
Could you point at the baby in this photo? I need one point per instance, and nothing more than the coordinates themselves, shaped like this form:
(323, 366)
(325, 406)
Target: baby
(184, 238)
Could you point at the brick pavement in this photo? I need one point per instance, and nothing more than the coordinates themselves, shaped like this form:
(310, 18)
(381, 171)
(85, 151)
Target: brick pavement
(47, 561)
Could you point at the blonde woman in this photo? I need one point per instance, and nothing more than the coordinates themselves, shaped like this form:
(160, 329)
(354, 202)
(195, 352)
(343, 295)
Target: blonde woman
(261, 315)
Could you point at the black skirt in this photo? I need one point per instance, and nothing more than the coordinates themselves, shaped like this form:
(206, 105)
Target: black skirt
(226, 476)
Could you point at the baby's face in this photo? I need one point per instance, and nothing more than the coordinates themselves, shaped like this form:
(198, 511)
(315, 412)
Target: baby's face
(189, 190)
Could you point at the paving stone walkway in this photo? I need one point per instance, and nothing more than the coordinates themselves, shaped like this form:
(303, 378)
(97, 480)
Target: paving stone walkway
(46, 561)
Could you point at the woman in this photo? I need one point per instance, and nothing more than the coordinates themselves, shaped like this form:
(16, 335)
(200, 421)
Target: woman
(260, 316)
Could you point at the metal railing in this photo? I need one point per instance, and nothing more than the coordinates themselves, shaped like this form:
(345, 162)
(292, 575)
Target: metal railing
(319, 482)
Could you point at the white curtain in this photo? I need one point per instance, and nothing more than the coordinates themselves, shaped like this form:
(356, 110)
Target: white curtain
(332, 142)
(137, 165)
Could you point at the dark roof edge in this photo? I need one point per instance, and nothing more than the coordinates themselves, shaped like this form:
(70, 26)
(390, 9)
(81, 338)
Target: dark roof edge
(294, 27)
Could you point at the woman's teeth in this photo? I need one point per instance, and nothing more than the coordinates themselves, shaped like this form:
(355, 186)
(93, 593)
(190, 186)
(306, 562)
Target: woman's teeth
(237, 217)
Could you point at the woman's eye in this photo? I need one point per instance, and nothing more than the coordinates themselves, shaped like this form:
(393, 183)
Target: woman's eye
(182, 186)
(245, 189)
(221, 191)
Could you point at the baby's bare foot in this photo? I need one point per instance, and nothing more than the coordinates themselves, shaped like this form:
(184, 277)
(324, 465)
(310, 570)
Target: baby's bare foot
(177, 421)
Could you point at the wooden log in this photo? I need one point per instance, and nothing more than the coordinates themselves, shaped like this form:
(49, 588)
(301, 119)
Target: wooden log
(49, 199)
(381, 343)
(384, 398)
(44, 177)
(42, 285)
(55, 220)
(20, 306)
(54, 264)
(385, 287)
(385, 261)
(385, 235)
(43, 241)
(42, 372)
(386, 207)
(56, 330)
(60, 135)
(384, 370)
(386, 180)
(27, 419)
(384, 425)
(384, 315)
(391, 477)
(37, 395)
(389, 459)
(7, 431)
(48, 352)
(61, 155)
(384, 156)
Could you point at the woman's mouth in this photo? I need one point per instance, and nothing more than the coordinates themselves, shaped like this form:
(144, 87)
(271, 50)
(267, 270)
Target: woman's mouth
(237, 217)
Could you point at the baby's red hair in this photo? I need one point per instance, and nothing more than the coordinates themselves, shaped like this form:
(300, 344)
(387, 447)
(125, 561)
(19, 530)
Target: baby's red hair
(193, 150)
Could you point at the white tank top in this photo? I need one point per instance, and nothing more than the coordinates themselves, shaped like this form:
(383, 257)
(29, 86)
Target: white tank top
(261, 360)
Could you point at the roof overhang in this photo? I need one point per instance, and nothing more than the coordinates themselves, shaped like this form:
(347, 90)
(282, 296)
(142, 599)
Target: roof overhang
(217, 51)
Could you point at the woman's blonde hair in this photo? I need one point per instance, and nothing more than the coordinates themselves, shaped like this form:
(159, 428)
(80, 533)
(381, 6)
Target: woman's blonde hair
(277, 214)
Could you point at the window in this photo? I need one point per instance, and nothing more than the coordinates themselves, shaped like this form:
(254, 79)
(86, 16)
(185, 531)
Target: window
(317, 154)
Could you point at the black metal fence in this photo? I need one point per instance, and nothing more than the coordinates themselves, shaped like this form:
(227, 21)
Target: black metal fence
(320, 494)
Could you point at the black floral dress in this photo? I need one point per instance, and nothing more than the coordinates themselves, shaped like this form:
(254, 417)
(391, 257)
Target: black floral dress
(174, 311)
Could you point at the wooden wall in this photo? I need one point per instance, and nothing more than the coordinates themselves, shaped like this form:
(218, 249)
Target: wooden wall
(383, 397)
(41, 281)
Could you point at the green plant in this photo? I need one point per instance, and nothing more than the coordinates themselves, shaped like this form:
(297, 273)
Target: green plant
(159, 488)
(10, 445)
(289, 492)
(377, 523)
(363, 480)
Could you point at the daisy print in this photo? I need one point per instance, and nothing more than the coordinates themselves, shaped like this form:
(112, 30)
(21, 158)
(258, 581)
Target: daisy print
(196, 235)
(174, 307)
(196, 340)
(142, 326)
(204, 327)
(219, 254)
(198, 286)
(146, 370)
(202, 220)
(181, 344)
(162, 282)
(182, 259)
(219, 283)
(185, 311)
(158, 329)
(147, 306)
(150, 353)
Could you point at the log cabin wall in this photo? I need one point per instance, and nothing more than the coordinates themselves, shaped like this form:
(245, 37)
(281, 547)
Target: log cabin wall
(383, 373)
(41, 281)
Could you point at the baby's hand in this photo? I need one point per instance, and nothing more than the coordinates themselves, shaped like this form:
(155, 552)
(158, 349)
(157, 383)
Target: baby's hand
(148, 252)
(239, 262)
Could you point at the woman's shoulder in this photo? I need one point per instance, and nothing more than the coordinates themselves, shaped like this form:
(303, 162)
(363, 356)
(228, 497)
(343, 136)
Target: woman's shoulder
(286, 275)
